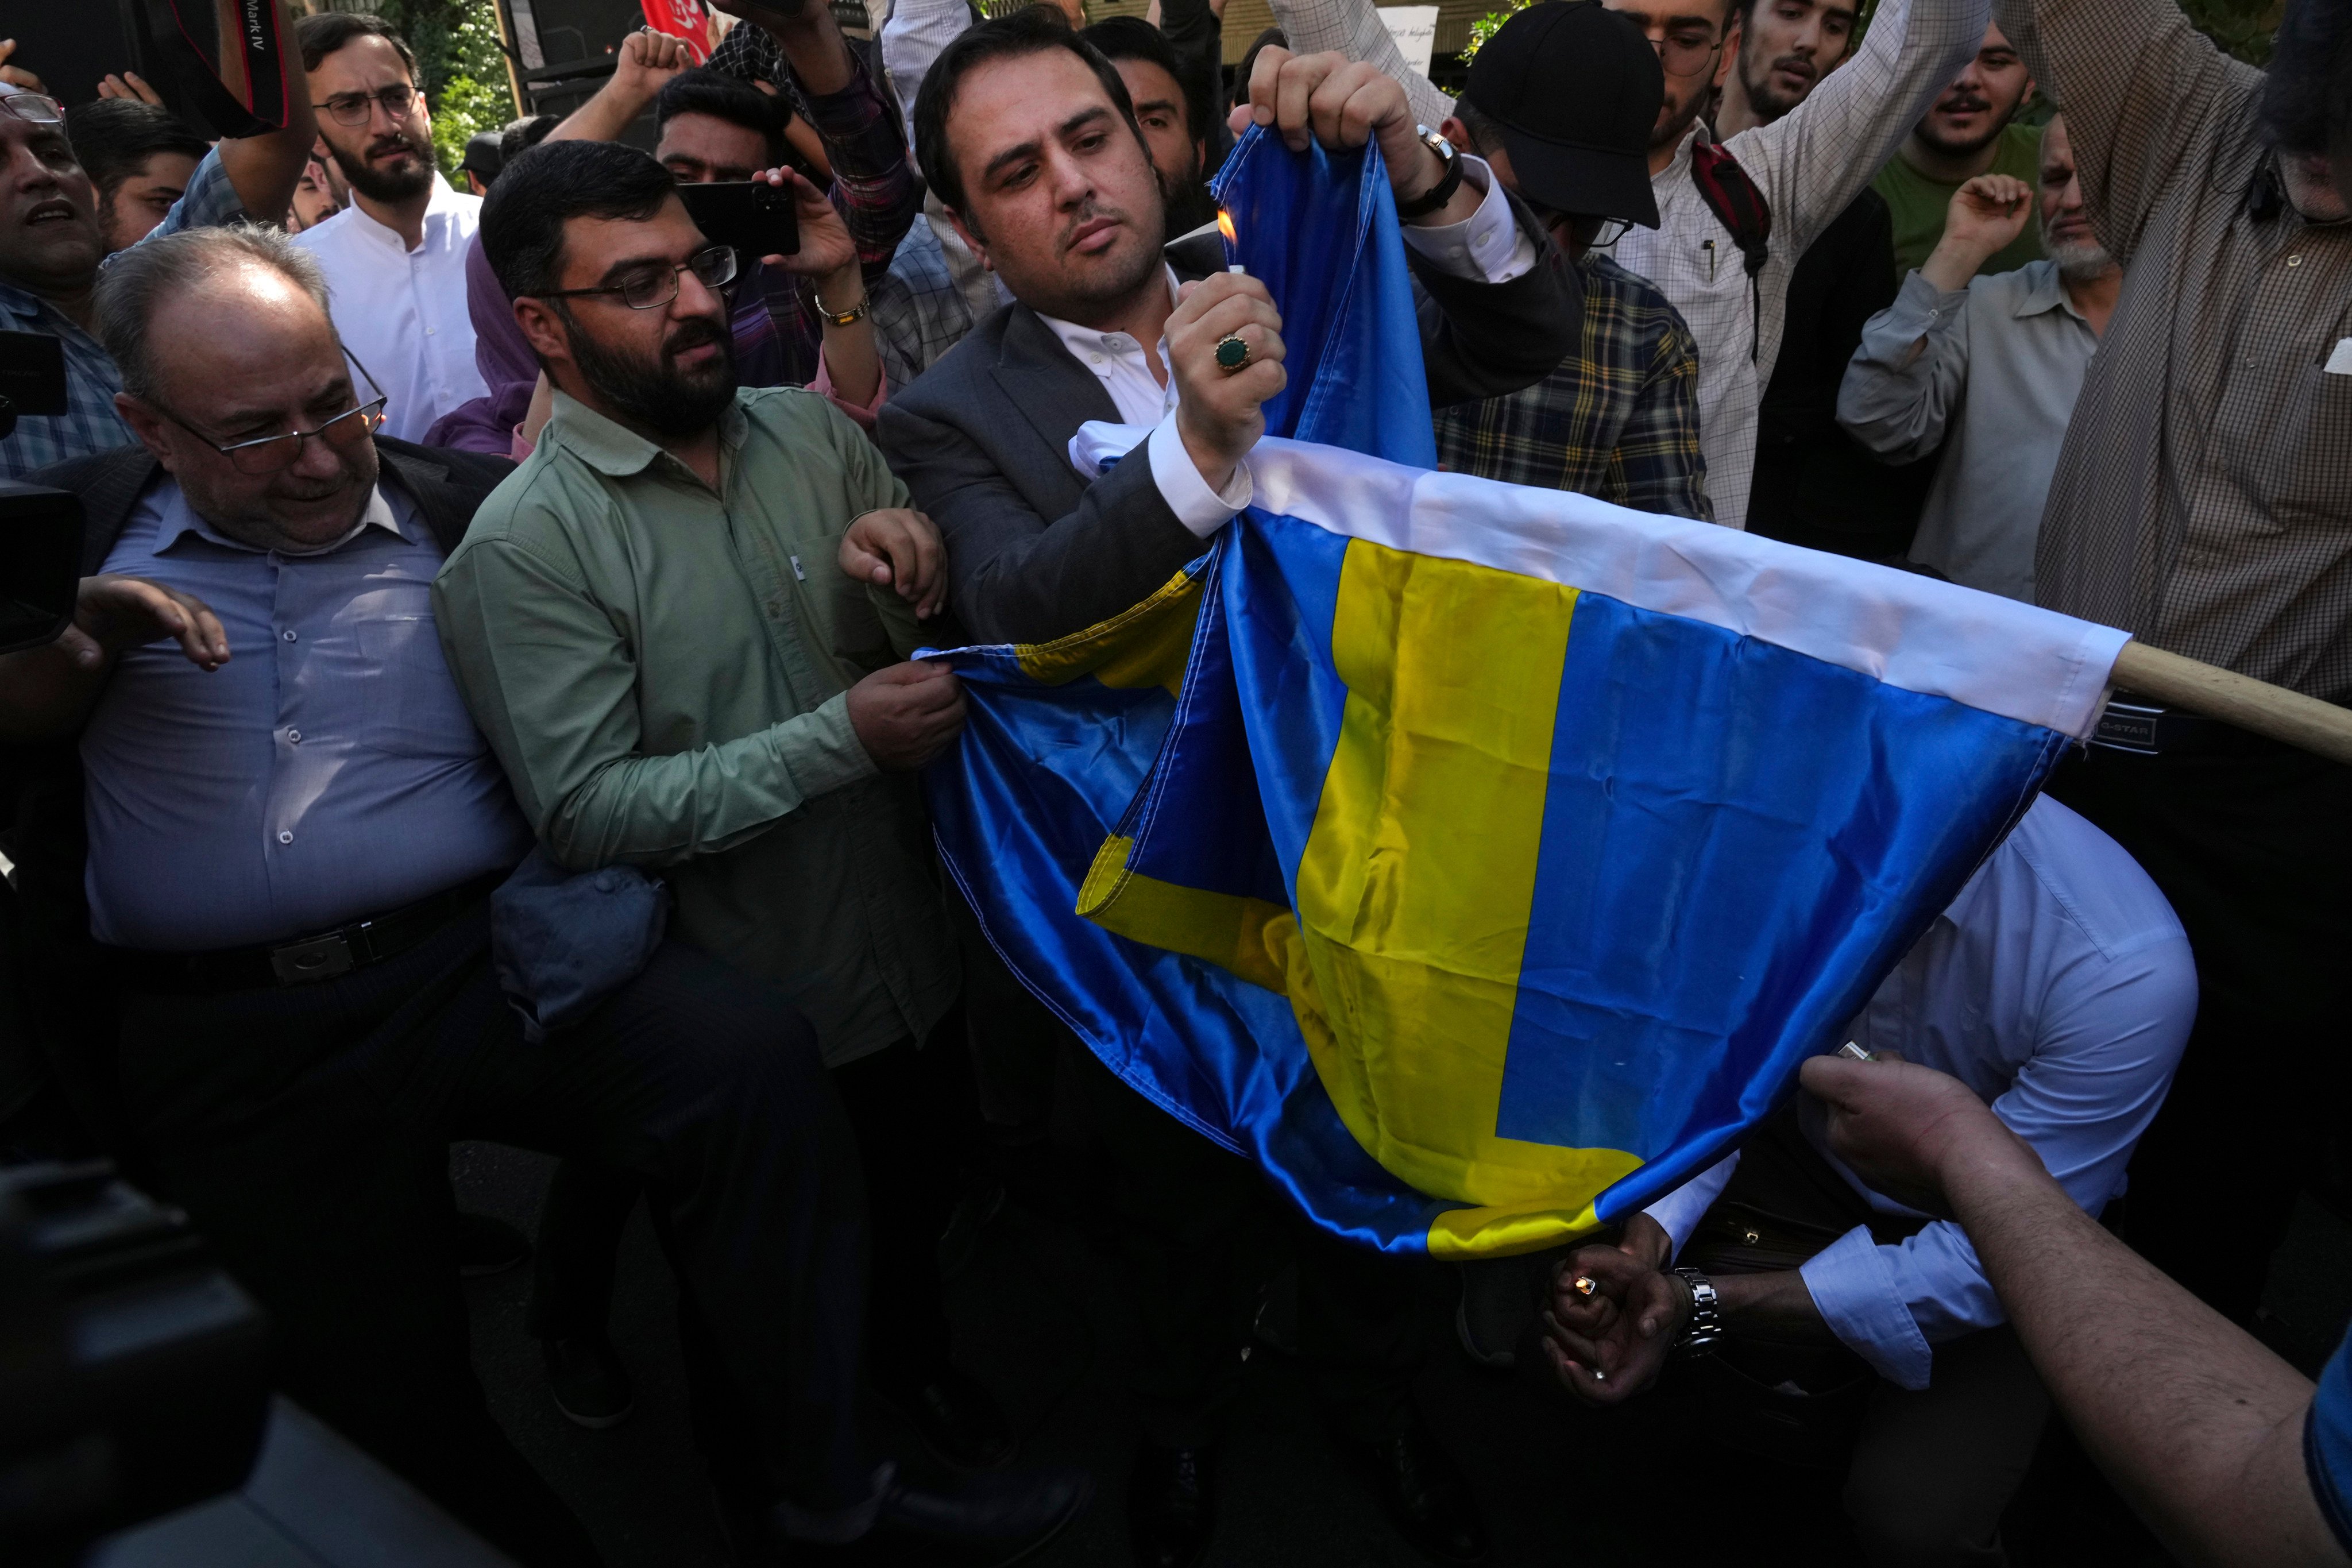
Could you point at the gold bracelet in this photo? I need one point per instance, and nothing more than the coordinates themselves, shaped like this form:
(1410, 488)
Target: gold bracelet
(851, 317)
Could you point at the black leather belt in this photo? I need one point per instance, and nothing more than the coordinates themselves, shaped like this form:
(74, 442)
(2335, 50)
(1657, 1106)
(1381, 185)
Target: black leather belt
(2133, 723)
(306, 960)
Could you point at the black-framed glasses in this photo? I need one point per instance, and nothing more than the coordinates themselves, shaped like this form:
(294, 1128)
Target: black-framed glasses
(275, 454)
(37, 107)
(713, 267)
(358, 108)
(1680, 57)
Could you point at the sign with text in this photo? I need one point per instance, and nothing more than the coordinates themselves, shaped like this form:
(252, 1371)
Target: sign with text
(1414, 29)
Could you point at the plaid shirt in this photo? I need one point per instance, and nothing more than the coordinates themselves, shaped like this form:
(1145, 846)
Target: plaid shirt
(2205, 482)
(1620, 421)
(90, 423)
(918, 311)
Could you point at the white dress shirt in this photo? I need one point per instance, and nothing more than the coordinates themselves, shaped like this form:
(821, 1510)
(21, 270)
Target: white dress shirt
(402, 312)
(1809, 164)
(1487, 243)
(2059, 986)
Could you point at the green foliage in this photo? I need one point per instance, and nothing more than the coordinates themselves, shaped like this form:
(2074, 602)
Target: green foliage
(2241, 27)
(463, 67)
(1486, 26)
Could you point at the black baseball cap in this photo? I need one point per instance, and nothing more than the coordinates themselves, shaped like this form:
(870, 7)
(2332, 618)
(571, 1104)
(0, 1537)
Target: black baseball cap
(483, 155)
(1575, 89)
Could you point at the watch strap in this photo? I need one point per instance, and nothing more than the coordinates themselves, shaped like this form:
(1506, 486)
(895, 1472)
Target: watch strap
(840, 318)
(1438, 194)
(1704, 1329)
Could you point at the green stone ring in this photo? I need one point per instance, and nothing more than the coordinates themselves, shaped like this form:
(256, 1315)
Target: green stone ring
(1232, 353)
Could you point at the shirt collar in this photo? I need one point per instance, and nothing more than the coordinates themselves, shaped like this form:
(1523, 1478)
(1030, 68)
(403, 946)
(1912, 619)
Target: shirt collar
(179, 519)
(444, 202)
(611, 448)
(26, 305)
(2045, 291)
(1083, 341)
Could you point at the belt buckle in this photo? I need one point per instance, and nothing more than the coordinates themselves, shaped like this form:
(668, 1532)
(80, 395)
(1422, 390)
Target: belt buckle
(2128, 727)
(319, 958)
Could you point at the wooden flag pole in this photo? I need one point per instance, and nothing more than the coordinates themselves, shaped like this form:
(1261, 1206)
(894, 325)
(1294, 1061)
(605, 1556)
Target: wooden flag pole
(2255, 705)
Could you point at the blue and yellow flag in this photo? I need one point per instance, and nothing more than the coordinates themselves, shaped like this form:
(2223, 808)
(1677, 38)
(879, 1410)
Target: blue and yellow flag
(1480, 860)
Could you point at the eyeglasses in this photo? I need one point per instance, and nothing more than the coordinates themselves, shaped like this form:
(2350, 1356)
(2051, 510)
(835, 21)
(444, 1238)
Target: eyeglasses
(714, 268)
(1597, 233)
(358, 108)
(35, 107)
(275, 454)
(1679, 57)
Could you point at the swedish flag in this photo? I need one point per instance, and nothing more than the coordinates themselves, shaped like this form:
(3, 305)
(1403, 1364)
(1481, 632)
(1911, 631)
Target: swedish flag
(1482, 861)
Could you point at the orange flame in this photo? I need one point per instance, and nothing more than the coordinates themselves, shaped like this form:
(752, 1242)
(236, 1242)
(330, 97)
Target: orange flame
(1225, 225)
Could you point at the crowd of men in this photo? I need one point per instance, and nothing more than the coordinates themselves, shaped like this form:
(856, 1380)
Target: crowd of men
(497, 630)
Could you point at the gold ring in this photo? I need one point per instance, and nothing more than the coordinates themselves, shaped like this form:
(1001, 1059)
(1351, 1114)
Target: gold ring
(1234, 353)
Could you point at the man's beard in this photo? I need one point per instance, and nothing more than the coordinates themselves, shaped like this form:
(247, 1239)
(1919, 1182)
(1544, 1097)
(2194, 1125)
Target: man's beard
(1763, 94)
(658, 395)
(1962, 149)
(1188, 202)
(2079, 260)
(383, 185)
(1667, 134)
(1107, 289)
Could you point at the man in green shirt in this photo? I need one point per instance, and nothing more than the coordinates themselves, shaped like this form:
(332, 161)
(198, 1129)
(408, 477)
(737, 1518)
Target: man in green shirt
(1970, 131)
(653, 622)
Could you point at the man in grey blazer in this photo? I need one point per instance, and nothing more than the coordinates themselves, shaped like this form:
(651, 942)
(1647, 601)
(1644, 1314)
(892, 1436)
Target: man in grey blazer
(1028, 137)
(1035, 548)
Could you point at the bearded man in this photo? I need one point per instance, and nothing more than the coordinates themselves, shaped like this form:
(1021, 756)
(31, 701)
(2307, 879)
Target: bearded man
(649, 625)
(1970, 131)
(395, 258)
(1986, 366)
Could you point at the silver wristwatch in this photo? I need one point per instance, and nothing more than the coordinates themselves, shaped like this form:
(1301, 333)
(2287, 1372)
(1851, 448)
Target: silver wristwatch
(1706, 1326)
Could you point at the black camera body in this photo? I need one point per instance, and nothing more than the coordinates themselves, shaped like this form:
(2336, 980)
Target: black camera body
(40, 563)
(133, 1371)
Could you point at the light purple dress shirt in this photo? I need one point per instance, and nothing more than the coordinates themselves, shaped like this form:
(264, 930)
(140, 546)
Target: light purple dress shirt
(327, 772)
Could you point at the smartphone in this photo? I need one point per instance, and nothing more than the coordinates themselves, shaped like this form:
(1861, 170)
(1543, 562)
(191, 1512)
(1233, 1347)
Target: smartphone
(754, 217)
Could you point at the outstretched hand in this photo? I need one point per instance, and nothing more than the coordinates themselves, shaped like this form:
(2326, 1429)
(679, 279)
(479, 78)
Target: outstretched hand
(17, 76)
(111, 614)
(1344, 103)
(1908, 1131)
(129, 85)
(899, 549)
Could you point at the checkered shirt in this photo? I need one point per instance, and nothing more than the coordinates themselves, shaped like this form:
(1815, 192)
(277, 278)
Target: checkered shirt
(1620, 421)
(90, 423)
(2203, 495)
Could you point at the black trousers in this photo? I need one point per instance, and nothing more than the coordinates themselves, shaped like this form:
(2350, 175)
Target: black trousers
(1182, 1202)
(911, 1117)
(2252, 842)
(307, 1131)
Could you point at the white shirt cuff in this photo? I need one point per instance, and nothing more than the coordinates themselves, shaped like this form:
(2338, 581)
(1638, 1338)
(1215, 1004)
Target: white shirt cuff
(1487, 243)
(1853, 1286)
(1679, 1212)
(1188, 495)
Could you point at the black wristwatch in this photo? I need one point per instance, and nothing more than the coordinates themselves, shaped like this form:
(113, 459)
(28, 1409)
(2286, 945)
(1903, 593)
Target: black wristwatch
(1706, 1326)
(1438, 194)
